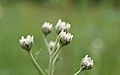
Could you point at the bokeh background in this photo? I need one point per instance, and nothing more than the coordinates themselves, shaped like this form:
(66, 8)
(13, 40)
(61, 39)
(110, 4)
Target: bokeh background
(95, 26)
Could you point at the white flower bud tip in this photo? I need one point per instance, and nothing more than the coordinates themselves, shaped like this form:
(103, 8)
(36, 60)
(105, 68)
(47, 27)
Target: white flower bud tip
(62, 26)
(26, 43)
(47, 28)
(87, 63)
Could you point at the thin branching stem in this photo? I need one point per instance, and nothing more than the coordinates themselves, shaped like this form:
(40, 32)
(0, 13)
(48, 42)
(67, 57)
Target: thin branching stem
(51, 57)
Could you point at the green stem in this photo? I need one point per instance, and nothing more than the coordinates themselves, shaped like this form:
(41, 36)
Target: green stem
(54, 58)
(50, 66)
(55, 55)
(39, 69)
(78, 72)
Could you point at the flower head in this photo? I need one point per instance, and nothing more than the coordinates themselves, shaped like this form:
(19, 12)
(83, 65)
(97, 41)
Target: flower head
(65, 38)
(26, 43)
(47, 28)
(62, 26)
(87, 63)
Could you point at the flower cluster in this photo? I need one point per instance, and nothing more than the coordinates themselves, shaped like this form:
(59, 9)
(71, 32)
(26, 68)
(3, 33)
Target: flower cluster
(62, 29)
(64, 37)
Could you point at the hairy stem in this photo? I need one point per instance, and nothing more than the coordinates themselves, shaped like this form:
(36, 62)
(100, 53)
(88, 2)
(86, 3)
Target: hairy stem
(78, 72)
(39, 69)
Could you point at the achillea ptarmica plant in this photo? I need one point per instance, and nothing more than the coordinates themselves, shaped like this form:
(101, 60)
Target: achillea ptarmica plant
(64, 37)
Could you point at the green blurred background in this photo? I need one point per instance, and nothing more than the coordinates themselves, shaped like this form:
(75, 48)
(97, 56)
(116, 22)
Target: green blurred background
(95, 26)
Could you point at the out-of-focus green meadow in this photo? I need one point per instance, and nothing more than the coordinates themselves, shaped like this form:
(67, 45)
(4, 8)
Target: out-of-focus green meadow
(96, 30)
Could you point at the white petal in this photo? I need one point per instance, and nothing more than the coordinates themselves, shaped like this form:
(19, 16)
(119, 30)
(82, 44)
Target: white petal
(59, 21)
(22, 40)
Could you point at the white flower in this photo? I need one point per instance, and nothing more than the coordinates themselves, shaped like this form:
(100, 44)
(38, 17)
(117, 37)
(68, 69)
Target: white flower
(65, 38)
(47, 28)
(26, 43)
(62, 26)
(87, 63)
(52, 44)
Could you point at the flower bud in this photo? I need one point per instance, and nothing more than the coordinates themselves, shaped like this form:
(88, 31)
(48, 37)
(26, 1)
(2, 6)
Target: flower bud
(62, 26)
(65, 38)
(26, 43)
(52, 44)
(87, 63)
(47, 28)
